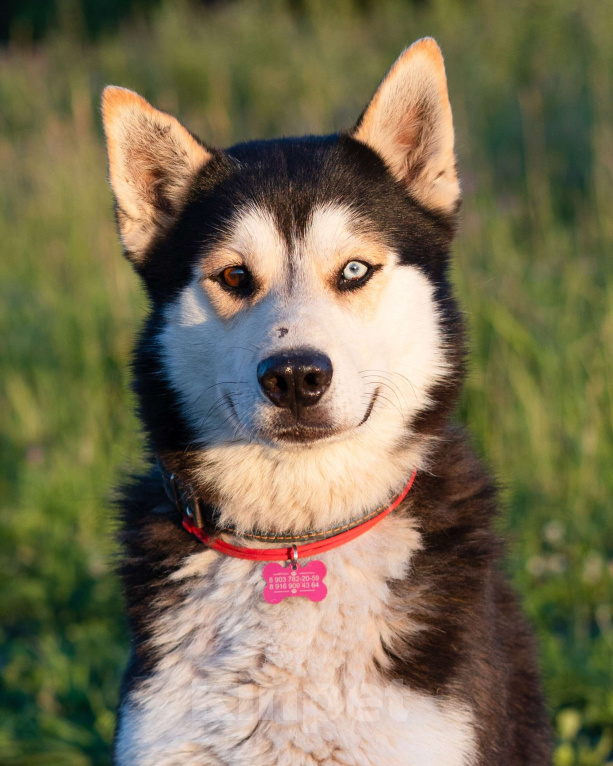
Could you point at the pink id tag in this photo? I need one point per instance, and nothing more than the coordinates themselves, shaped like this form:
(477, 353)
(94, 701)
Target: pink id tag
(286, 582)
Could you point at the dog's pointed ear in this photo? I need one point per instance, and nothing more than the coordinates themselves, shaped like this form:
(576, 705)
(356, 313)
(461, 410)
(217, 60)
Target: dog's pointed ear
(152, 160)
(409, 124)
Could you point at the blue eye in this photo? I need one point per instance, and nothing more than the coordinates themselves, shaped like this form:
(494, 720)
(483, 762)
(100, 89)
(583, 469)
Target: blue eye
(355, 270)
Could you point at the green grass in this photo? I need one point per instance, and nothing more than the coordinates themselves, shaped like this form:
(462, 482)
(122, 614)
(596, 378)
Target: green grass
(532, 91)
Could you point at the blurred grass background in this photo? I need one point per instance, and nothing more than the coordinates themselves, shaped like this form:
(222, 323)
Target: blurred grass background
(531, 85)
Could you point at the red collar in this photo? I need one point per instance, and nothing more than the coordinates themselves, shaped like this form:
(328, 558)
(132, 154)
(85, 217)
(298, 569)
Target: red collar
(293, 552)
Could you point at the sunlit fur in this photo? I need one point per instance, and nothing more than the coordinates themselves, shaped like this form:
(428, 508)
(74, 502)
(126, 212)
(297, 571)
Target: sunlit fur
(141, 169)
(409, 123)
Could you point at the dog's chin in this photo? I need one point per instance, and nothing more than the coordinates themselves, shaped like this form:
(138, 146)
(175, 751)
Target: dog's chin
(300, 435)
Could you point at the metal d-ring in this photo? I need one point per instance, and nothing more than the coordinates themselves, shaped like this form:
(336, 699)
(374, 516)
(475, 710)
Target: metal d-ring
(294, 558)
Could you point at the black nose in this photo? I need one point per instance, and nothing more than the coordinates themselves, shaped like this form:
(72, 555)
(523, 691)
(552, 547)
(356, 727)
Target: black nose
(295, 379)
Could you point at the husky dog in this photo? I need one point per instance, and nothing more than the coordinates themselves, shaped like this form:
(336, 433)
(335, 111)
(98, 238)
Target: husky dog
(301, 360)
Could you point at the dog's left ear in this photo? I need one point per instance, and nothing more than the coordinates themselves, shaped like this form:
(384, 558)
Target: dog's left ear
(409, 124)
(152, 161)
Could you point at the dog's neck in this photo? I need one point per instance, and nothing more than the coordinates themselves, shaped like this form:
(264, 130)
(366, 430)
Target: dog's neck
(256, 487)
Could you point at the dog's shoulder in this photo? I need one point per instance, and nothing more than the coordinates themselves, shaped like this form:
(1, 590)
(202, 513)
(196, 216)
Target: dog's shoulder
(473, 639)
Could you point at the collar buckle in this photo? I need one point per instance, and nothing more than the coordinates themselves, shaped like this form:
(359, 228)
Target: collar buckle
(185, 502)
(195, 512)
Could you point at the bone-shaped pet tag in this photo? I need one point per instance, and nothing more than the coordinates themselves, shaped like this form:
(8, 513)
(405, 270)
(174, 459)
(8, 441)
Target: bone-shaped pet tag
(287, 581)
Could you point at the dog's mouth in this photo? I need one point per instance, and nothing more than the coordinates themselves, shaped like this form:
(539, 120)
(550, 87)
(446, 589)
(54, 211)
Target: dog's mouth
(300, 432)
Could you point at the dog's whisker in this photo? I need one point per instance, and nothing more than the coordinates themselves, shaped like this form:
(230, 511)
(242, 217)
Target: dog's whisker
(391, 382)
(391, 388)
(219, 383)
(212, 410)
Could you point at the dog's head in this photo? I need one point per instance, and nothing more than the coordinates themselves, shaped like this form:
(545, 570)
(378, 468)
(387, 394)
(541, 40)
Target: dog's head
(301, 329)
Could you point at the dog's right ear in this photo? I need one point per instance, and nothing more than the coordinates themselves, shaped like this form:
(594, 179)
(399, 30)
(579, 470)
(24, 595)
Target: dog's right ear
(152, 161)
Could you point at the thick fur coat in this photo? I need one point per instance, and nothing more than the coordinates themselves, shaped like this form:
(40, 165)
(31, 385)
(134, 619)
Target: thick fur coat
(329, 254)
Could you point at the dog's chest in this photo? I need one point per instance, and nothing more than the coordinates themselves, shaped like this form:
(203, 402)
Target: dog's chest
(241, 681)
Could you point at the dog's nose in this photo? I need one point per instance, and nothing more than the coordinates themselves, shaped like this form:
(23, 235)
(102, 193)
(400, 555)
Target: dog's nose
(295, 379)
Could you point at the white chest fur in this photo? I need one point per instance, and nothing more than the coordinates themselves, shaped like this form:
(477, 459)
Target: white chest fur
(295, 684)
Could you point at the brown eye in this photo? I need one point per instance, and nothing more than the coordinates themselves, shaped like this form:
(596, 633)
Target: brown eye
(236, 279)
